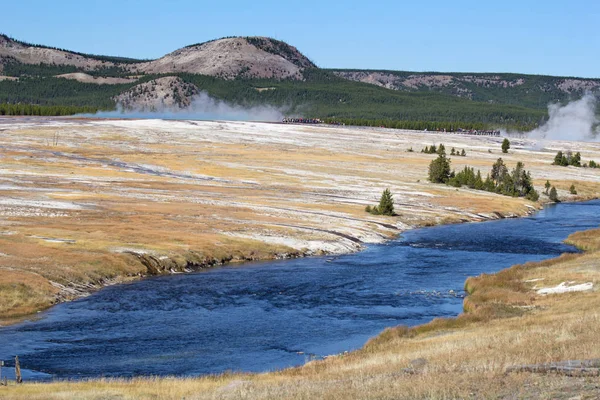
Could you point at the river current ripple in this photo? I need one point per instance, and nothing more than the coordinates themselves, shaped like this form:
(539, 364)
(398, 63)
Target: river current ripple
(271, 315)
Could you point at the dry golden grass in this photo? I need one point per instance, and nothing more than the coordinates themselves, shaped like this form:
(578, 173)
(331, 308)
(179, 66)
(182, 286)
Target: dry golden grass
(229, 192)
(212, 192)
(586, 240)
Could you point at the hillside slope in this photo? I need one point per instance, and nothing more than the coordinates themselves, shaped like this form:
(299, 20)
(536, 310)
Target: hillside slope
(231, 58)
(534, 91)
(12, 51)
(228, 58)
(169, 92)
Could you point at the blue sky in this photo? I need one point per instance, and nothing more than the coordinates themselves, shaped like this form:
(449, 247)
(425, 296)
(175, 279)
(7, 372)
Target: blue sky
(551, 37)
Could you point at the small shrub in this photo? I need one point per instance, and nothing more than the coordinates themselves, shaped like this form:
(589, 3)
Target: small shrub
(572, 189)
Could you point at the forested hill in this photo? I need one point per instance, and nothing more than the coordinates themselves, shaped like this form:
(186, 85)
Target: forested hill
(256, 71)
(534, 91)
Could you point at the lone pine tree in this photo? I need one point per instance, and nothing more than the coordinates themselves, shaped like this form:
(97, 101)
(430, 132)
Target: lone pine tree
(386, 203)
(439, 169)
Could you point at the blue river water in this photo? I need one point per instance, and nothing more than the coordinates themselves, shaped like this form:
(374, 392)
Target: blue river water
(271, 315)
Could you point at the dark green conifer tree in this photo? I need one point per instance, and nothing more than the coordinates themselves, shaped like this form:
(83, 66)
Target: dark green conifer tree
(553, 194)
(386, 203)
(505, 145)
(439, 169)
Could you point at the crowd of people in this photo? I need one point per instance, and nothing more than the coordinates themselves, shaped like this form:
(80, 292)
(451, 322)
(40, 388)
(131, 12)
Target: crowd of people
(288, 120)
(478, 132)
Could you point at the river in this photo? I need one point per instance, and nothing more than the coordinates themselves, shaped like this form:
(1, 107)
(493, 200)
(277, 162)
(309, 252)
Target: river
(272, 315)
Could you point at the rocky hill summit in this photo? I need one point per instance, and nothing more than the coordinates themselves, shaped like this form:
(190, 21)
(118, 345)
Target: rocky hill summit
(229, 58)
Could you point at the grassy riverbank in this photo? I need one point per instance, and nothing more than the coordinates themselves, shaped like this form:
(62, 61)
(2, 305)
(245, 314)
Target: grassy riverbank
(88, 203)
(505, 324)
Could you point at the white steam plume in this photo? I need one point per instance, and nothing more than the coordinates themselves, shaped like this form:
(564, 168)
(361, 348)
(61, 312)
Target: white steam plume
(202, 107)
(576, 121)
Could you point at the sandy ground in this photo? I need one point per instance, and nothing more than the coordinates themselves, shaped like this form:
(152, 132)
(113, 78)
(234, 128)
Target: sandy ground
(85, 203)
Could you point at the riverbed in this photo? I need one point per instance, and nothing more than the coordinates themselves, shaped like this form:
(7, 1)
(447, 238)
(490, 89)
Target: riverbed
(271, 315)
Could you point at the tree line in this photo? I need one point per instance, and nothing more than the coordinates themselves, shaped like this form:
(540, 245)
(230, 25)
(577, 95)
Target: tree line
(441, 149)
(567, 158)
(60, 92)
(46, 111)
(17, 69)
(321, 95)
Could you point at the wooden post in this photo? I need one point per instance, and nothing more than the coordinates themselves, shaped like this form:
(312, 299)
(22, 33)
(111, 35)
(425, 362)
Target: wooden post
(18, 370)
(1, 365)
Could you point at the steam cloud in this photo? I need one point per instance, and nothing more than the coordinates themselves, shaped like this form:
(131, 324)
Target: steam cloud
(202, 107)
(575, 121)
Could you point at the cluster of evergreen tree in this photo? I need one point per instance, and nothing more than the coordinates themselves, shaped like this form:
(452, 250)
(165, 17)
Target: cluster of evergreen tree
(431, 150)
(567, 158)
(441, 149)
(454, 152)
(553, 194)
(17, 69)
(516, 183)
(386, 205)
(592, 164)
(60, 92)
(47, 111)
